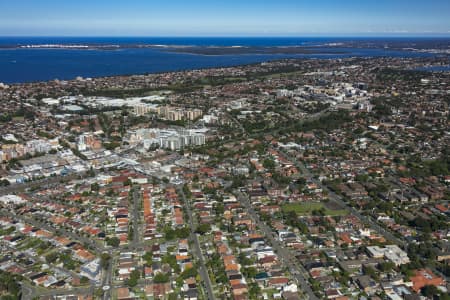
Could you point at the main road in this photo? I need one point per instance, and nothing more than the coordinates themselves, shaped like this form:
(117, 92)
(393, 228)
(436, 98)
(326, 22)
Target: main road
(45, 182)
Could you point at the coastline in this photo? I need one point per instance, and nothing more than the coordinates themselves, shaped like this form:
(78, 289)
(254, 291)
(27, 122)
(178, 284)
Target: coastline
(43, 59)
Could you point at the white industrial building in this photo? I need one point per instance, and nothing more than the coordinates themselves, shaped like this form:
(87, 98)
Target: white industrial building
(390, 252)
(169, 138)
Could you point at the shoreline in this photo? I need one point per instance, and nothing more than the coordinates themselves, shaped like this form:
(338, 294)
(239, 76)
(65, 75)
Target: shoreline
(215, 57)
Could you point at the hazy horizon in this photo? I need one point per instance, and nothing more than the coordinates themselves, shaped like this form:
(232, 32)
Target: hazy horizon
(374, 36)
(233, 18)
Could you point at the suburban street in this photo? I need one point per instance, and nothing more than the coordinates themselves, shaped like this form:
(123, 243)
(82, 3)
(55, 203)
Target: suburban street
(338, 199)
(91, 244)
(30, 292)
(203, 271)
(136, 198)
(287, 258)
(107, 279)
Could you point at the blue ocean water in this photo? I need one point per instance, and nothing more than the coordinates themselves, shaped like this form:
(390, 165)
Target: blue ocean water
(29, 65)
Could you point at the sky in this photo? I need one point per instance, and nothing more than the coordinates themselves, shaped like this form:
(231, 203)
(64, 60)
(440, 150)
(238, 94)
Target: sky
(224, 17)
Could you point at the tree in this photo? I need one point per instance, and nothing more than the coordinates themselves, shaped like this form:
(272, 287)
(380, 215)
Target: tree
(203, 228)
(130, 232)
(368, 270)
(386, 266)
(189, 272)
(171, 260)
(362, 177)
(422, 224)
(148, 257)
(429, 291)
(95, 187)
(4, 118)
(111, 146)
(269, 163)
(98, 293)
(134, 277)
(161, 278)
(114, 242)
(105, 259)
(219, 209)
(250, 272)
(254, 290)
(173, 296)
(244, 260)
(444, 296)
(68, 261)
(110, 192)
(169, 233)
(51, 257)
(9, 285)
(238, 181)
(84, 280)
(182, 233)
(4, 182)
(187, 191)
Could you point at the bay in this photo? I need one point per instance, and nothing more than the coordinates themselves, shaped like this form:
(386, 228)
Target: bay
(42, 64)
